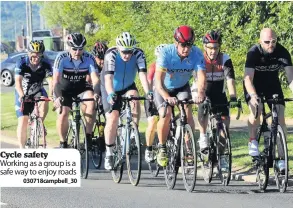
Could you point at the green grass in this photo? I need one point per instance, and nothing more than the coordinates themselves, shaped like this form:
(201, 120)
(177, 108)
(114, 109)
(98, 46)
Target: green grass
(239, 139)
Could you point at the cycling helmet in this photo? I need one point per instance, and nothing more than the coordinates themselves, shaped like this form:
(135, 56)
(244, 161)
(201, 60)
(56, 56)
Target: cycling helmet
(212, 37)
(159, 48)
(99, 50)
(36, 46)
(76, 40)
(184, 34)
(126, 41)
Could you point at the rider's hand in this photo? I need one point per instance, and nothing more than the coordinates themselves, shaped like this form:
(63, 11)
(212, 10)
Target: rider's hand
(111, 98)
(233, 103)
(150, 95)
(200, 97)
(254, 100)
(171, 100)
(97, 98)
(21, 98)
(58, 102)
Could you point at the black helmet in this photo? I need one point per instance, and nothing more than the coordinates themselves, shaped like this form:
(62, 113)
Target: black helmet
(76, 40)
(99, 50)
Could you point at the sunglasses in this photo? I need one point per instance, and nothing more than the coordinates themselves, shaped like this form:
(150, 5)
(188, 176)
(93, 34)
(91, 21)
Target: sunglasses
(36, 57)
(187, 44)
(75, 49)
(127, 52)
(273, 41)
(211, 48)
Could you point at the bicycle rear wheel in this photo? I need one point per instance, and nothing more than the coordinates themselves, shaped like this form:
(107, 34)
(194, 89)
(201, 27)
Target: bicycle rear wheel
(281, 148)
(117, 171)
(224, 153)
(171, 171)
(153, 166)
(188, 158)
(82, 148)
(133, 154)
(207, 159)
(262, 172)
(96, 152)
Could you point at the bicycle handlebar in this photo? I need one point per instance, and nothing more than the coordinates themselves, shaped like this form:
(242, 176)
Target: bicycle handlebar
(128, 99)
(166, 104)
(29, 99)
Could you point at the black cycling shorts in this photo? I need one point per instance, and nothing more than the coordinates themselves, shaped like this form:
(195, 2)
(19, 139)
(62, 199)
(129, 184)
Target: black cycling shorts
(118, 104)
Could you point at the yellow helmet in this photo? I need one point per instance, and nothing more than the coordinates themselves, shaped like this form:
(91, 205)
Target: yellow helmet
(36, 46)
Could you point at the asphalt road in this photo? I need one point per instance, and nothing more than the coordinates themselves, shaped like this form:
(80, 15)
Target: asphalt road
(100, 191)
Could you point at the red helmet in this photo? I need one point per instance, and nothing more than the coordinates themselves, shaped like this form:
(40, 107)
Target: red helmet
(184, 34)
(212, 37)
(99, 50)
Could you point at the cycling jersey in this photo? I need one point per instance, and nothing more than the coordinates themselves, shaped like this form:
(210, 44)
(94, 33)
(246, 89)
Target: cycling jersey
(179, 71)
(267, 66)
(32, 81)
(216, 72)
(124, 72)
(74, 72)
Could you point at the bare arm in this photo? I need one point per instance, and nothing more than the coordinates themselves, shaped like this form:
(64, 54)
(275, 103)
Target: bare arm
(56, 82)
(95, 80)
(144, 81)
(50, 83)
(201, 81)
(160, 76)
(109, 83)
(18, 86)
(248, 81)
(231, 87)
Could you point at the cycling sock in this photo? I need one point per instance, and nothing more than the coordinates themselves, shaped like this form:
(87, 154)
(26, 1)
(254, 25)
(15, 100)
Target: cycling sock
(109, 149)
(88, 136)
(202, 135)
(250, 139)
(162, 146)
(149, 148)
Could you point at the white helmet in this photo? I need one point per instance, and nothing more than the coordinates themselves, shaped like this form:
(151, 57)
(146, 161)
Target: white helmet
(126, 41)
(159, 48)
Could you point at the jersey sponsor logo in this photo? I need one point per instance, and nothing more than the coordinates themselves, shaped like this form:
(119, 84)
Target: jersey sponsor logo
(179, 70)
(216, 76)
(74, 78)
(272, 67)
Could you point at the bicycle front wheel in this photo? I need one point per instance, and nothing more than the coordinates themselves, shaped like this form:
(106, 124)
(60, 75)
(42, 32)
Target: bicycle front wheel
(171, 171)
(188, 158)
(82, 148)
(37, 134)
(133, 154)
(281, 156)
(117, 171)
(224, 155)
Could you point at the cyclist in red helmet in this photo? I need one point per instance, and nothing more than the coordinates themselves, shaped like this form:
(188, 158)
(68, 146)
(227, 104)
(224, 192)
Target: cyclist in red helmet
(218, 68)
(99, 51)
(174, 68)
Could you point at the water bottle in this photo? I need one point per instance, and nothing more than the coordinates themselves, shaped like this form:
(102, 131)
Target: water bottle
(267, 135)
(101, 130)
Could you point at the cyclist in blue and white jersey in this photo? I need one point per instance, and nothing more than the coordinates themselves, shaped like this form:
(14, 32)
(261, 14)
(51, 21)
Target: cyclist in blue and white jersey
(69, 79)
(122, 63)
(174, 67)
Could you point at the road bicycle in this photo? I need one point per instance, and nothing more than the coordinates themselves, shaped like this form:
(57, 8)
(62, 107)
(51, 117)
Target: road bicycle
(128, 145)
(37, 132)
(273, 146)
(181, 149)
(219, 145)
